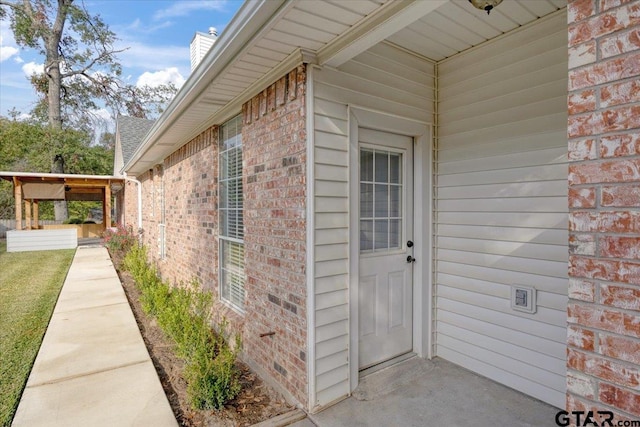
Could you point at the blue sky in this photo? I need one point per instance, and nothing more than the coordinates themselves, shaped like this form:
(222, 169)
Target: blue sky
(157, 34)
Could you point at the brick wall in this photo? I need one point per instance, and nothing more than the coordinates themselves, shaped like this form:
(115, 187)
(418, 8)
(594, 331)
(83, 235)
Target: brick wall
(129, 210)
(190, 184)
(603, 353)
(274, 161)
(274, 153)
(187, 180)
(149, 216)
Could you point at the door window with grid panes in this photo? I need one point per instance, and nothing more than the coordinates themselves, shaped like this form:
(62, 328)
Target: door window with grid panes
(380, 200)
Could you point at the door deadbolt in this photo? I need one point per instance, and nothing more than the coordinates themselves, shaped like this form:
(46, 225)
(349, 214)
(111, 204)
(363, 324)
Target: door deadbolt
(409, 244)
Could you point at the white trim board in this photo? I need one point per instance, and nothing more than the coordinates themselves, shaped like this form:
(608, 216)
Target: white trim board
(422, 287)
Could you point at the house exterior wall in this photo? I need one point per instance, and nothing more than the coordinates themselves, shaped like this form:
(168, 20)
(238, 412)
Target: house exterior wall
(129, 205)
(187, 191)
(604, 148)
(182, 194)
(384, 79)
(501, 208)
(274, 162)
(148, 181)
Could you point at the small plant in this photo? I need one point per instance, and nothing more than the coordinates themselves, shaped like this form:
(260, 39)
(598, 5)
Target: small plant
(119, 240)
(183, 314)
(135, 262)
(212, 382)
(73, 220)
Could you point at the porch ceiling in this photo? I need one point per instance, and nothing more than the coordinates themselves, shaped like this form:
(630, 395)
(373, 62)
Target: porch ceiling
(456, 26)
(269, 37)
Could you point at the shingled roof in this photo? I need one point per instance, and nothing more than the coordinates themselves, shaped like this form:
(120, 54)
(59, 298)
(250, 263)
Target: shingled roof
(131, 131)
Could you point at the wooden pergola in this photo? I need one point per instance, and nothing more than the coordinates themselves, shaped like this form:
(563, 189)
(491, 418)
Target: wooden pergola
(31, 188)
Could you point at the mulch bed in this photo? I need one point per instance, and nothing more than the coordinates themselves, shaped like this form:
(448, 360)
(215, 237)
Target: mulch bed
(256, 402)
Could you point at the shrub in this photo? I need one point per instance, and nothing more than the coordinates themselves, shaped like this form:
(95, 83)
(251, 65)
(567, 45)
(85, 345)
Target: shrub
(135, 262)
(212, 382)
(72, 220)
(183, 314)
(119, 240)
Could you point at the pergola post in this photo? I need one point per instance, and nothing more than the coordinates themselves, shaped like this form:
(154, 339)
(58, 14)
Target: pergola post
(27, 214)
(36, 219)
(17, 190)
(106, 215)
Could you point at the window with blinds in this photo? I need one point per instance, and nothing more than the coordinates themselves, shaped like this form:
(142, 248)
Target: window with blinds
(232, 275)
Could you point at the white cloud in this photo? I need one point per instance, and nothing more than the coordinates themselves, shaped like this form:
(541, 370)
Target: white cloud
(139, 27)
(145, 57)
(18, 60)
(185, 7)
(8, 47)
(157, 78)
(31, 68)
(23, 116)
(7, 52)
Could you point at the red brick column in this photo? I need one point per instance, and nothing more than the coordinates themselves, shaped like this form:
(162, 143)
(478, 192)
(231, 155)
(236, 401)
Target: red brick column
(603, 352)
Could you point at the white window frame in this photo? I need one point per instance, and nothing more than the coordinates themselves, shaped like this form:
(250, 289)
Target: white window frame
(237, 270)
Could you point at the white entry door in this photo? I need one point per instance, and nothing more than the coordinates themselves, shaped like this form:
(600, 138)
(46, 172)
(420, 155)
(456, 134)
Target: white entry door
(385, 303)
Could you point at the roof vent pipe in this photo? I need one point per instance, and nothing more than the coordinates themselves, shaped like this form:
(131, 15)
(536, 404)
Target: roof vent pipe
(213, 31)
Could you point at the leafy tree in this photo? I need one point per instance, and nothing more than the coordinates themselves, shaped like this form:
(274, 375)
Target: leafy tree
(81, 73)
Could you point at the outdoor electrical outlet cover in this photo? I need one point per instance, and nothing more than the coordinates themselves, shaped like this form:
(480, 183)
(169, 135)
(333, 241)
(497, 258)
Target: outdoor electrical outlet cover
(523, 298)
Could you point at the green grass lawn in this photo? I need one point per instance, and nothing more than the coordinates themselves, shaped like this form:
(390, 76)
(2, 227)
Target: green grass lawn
(29, 286)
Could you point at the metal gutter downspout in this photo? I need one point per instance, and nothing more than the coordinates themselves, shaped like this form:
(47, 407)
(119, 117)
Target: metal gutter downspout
(139, 186)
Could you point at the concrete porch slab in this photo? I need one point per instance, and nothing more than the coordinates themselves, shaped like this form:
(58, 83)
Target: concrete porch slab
(420, 392)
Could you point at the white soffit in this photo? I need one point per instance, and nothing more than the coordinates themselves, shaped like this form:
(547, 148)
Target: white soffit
(297, 26)
(334, 29)
(456, 26)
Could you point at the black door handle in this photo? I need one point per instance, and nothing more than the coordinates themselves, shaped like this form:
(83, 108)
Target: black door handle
(410, 259)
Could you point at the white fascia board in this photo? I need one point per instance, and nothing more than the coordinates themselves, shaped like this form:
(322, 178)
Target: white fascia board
(299, 56)
(384, 22)
(249, 20)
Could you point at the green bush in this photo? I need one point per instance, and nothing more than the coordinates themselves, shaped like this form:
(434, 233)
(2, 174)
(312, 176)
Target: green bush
(73, 220)
(135, 262)
(212, 382)
(183, 313)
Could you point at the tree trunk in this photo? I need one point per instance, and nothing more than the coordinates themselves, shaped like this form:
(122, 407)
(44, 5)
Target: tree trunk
(53, 95)
(54, 78)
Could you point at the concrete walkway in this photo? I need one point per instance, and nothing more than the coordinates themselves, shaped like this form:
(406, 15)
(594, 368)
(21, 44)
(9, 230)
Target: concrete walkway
(421, 393)
(93, 368)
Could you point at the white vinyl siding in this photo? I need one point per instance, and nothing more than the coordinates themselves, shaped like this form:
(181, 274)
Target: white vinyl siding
(501, 208)
(383, 79)
(230, 209)
(41, 240)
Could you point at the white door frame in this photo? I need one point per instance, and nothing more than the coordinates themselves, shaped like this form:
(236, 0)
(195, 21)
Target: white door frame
(422, 227)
